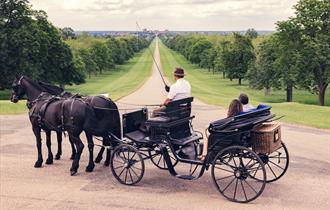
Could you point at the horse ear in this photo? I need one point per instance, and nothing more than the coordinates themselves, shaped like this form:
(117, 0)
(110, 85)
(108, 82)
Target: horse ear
(18, 75)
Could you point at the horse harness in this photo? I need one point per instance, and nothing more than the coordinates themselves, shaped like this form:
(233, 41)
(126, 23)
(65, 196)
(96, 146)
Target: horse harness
(38, 108)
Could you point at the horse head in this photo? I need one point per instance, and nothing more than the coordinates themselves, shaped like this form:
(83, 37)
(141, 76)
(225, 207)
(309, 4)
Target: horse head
(17, 90)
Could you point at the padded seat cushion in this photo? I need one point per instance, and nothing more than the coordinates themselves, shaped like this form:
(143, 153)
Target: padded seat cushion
(138, 136)
(160, 119)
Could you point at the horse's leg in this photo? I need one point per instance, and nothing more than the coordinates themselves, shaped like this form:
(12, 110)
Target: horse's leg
(49, 147)
(73, 148)
(99, 155)
(91, 164)
(36, 131)
(59, 145)
(107, 159)
(80, 146)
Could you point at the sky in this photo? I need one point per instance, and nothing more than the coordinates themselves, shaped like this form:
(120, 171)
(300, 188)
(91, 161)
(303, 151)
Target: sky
(215, 15)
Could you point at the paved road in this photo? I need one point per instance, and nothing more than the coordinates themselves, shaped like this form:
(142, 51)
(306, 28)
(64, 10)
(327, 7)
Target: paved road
(305, 186)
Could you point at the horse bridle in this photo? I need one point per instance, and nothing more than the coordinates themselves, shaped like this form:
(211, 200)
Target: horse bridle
(19, 83)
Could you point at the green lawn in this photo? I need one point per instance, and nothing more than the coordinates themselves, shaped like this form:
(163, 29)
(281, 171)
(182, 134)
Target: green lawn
(120, 82)
(212, 89)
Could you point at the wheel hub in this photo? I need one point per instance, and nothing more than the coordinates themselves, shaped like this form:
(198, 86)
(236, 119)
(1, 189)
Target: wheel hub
(240, 173)
(264, 158)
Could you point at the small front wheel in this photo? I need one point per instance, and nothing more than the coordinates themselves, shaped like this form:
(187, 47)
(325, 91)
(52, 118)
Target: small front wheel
(127, 164)
(158, 160)
(232, 171)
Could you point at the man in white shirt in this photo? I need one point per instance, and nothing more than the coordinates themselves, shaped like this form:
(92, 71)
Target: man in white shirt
(179, 90)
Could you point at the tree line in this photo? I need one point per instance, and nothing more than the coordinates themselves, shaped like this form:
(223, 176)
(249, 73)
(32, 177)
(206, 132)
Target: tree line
(297, 55)
(31, 45)
(97, 55)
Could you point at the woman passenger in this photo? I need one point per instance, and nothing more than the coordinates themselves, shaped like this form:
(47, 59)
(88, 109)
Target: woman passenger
(234, 109)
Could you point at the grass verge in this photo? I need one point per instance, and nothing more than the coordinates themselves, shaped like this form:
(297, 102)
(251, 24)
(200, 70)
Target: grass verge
(212, 89)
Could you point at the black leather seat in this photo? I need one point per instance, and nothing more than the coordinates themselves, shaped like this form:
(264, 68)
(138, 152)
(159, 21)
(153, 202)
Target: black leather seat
(138, 136)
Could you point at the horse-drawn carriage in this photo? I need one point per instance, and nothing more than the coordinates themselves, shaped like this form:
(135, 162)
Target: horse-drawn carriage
(239, 172)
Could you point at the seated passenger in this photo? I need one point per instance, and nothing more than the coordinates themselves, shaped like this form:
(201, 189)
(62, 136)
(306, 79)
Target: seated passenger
(244, 99)
(235, 108)
(179, 90)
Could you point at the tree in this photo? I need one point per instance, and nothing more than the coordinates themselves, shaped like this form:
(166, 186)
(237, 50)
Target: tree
(30, 45)
(68, 33)
(265, 74)
(238, 57)
(197, 50)
(90, 65)
(307, 35)
(102, 56)
(251, 33)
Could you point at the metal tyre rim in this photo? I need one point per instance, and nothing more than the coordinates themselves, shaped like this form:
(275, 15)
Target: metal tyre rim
(127, 164)
(231, 173)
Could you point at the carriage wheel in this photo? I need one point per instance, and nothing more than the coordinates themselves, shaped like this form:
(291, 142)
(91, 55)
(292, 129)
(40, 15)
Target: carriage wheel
(231, 173)
(158, 160)
(127, 164)
(276, 163)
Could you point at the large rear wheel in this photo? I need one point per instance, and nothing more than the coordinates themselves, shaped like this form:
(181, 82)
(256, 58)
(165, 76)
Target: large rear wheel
(276, 163)
(231, 173)
(127, 164)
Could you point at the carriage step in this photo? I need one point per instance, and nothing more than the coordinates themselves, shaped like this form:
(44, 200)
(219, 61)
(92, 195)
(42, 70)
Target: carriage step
(186, 177)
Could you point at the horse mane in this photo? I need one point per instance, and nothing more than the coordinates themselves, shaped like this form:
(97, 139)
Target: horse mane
(33, 83)
(52, 89)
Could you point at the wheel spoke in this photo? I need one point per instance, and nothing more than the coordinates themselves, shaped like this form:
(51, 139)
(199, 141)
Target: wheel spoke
(229, 184)
(243, 190)
(126, 175)
(130, 175)
(250, 186)
(271, 170)
(224, 177)
(160, 158)
(133, 156)
(235, 189)
(223, 169)
(119, 161)
(121, 172)
(136, 168)
(135, 172)
(276, 165)
(118, 167)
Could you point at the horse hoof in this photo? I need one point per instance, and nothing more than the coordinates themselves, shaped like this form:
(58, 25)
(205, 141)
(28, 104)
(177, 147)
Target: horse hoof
(49, 161)
(106, 163)
(97, 160)
(57, 157)
(89, 168)
(38, 164)
(73, 171)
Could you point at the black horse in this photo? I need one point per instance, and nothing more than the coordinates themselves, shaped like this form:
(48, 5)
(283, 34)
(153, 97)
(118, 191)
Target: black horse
(106, 112)
(49, 113)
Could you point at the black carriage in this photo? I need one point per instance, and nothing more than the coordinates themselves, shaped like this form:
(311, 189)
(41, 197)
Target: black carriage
(239, 173)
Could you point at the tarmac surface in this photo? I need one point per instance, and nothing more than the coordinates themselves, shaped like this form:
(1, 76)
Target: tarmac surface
(306, 185)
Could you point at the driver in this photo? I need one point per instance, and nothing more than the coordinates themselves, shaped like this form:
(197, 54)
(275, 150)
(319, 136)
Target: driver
(179, 90)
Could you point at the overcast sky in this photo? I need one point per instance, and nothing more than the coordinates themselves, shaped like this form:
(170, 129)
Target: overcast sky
(166, 14)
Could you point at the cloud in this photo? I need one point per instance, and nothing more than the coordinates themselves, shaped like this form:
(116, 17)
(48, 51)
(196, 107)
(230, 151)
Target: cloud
(172, 14)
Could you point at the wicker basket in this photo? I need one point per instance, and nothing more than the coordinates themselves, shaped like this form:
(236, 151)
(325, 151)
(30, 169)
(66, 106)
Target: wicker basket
(266, 138)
